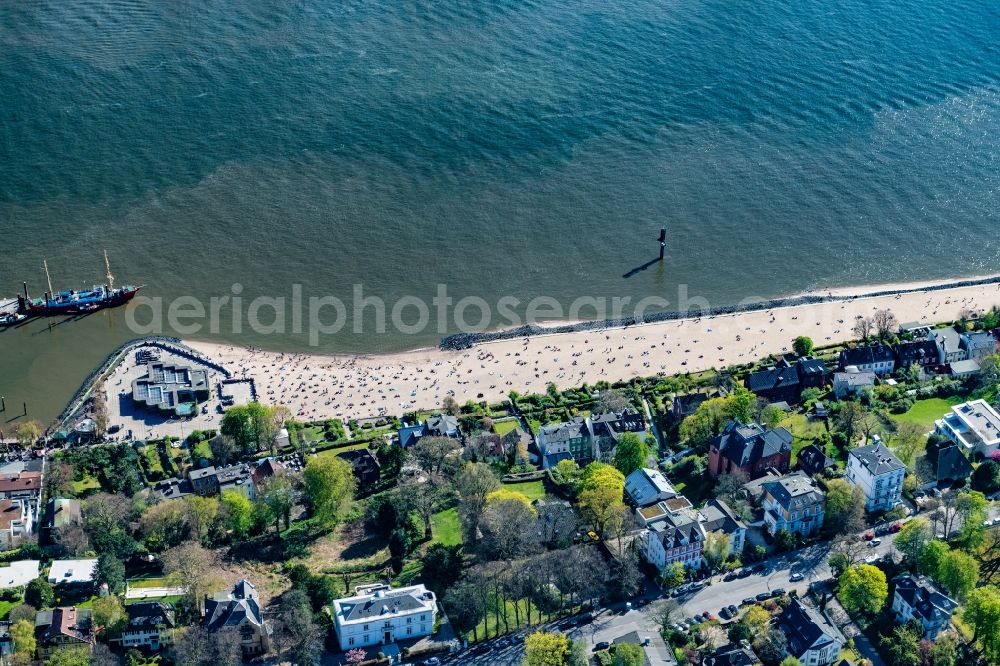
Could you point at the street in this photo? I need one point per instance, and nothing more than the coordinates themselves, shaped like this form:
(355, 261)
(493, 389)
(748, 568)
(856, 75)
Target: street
(610, 624)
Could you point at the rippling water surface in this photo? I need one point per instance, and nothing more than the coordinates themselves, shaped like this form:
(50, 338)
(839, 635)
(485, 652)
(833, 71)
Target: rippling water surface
(503, 148)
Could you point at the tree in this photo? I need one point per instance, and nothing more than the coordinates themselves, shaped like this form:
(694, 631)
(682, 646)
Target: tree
(474, 482)
(849, 420)
(908, 441)
(708, 420)
(298, 626)
(628, 654)
(931, 557)
(577, 654)
(716, 549)
(329, 486)
(108, 612)
(771, 645)
(741, 404)
(111, 572)
(911, 539)
(631, 453)
(507, 524)
(986, 477)
(884, 322)
(863, 589)
(545, 649)
(71, 656)
(39, 593)
(944, 651)
(772, 415)
(790, 661)
(28, 433)
(599, 505)
(276, 498)
(59, 480)
(238, 511)
(958, 573)
(973, 508)
(610, 400)
(192, 566)
(202, 514)
(601, 475)
(845, 507)
(357, 655)
(22, 633)
(901, 647)
(164, 525)
(250, 426)
(982, 611)
(224, 450)
(72, 539)
(22, 612)
(756, 620)
(802, 345)
(430, 452)
(199, 647)
(672, 575)
(863, 328)
(442, 567)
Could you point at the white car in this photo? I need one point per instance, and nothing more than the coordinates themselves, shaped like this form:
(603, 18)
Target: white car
(874, 542)
(796, 577)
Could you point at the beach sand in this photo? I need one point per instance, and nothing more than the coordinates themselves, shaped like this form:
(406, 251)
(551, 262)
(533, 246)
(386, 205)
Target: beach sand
(316, 386)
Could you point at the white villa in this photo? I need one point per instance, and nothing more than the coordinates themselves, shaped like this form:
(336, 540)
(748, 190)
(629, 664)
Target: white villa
(879, 473)
(974, 426)
(381, 615)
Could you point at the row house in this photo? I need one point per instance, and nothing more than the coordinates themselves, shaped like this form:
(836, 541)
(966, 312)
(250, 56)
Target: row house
(750, 450)
(587, 438)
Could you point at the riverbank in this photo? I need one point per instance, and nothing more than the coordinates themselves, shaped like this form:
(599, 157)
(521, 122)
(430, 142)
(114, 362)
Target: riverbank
(316, 386)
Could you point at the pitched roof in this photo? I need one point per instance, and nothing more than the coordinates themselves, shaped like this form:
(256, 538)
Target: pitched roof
(794, 491)
(747, 444)
(952, 465)
(232, 609)
(383, 602)
(921, 352)
(72, 622)
(149, 615)
(806, 629)
(732, 655)
(410, 434)
(877, 459)
(645, 486)
(22, 481)
(928, 603)
(867, 355)
(780, 375)
(811, 459)
(718, 517)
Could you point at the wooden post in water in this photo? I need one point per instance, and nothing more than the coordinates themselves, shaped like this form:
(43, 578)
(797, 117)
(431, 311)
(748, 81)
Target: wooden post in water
(25, 409)
(663, 242)
(3, 404)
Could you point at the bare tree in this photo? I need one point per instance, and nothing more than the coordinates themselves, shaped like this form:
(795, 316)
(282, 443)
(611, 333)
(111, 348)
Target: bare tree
(73, 540)
(508, 529)
(425, 498)
(199, 647)
(610, 400)
(474, 482)
(556, 523)
(884, 322)
(863, 328)
(192, 566)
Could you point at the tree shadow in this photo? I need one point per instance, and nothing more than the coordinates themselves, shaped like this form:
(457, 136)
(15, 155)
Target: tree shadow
(365, 548)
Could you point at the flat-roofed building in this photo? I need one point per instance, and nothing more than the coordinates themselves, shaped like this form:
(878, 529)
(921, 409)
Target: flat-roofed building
(975, 426)
(171, 388)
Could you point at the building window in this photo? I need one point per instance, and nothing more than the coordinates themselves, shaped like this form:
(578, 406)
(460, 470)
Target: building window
(350, 641)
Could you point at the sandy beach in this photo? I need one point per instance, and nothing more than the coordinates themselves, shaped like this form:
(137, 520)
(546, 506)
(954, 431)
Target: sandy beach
(318, 386)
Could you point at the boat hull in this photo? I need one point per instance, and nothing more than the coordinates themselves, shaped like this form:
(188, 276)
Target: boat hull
(50, 307)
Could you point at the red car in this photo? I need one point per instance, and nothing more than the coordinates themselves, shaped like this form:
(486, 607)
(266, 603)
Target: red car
(895, 527)
(868, 536)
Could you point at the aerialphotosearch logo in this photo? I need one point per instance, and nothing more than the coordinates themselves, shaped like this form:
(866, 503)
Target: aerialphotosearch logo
(327, 315)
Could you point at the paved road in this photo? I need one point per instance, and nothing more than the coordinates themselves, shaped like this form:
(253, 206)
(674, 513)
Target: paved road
(810, 562)
(611, 624)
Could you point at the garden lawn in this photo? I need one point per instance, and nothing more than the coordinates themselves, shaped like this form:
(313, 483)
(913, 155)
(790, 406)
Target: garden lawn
(5, 607)
(148, 582)
(532, 489)
(925, 412)
(446, 527)
(86, 484)
(504, 427)
(804, 432)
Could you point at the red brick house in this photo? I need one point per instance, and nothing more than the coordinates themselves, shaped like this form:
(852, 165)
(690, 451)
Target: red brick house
(749, 449)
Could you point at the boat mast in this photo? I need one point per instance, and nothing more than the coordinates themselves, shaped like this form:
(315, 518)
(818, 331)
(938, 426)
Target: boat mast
(45, 265)
(111, 278)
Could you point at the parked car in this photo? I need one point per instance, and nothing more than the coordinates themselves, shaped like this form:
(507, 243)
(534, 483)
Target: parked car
(744, 572)
(708, 616)
(749, 601)
(874, 542)
(603, 645)
(868, 536)
(693, 620)
(503, 643)
(895, 527)
(725, 614)
(797, 576)
(433, 661)
(763, 596)
(733, 609)
(778, 592)
(732, 575)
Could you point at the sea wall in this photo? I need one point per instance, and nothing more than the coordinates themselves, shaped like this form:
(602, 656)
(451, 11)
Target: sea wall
(459, 341)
